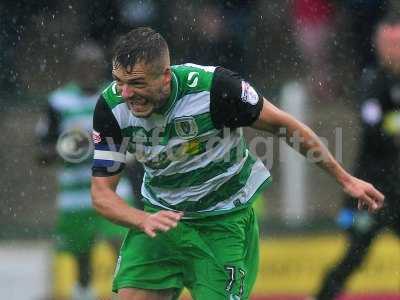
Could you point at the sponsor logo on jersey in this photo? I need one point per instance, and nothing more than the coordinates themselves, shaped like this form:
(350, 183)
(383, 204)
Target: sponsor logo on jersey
(186, 127)
(140, 136)
(192, 147)
(193, 79)
(96, 137)
(249, 95)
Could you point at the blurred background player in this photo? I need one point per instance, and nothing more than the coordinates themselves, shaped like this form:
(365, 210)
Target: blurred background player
(378, 160)
(65, 132)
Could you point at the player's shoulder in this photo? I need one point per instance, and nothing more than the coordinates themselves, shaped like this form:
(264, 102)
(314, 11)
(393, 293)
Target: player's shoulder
(193, 78)
(111, 95)
(190, 67)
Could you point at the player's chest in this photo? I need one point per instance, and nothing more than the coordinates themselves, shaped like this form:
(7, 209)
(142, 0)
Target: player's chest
(157, 143)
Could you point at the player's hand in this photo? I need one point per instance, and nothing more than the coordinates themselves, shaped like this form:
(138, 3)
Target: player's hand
(160, 221)
(367, 195)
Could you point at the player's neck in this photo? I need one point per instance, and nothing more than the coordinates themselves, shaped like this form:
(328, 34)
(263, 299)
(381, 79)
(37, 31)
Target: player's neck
(169, 94)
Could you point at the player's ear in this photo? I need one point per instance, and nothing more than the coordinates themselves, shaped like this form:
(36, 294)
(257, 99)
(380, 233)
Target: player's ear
(167, 76)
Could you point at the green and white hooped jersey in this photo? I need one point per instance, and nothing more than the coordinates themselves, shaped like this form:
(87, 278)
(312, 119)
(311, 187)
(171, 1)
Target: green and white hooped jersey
(70, 116)
(195, 157)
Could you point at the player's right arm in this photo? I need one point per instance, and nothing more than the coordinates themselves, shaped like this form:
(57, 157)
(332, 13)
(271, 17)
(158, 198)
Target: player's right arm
(107, 202)
(108, 163)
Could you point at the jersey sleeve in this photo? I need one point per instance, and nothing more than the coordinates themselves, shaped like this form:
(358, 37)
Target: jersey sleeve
(233, 101)
(109, 153)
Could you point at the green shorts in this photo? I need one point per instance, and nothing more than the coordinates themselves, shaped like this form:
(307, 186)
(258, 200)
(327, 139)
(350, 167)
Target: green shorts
(214, 257)
(77, 231)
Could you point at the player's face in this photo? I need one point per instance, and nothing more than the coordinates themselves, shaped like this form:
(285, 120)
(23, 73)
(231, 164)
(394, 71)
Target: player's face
(143, 89)
(388, 46)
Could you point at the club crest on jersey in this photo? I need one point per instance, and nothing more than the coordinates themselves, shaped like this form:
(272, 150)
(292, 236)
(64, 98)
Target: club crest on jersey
(186, 127)
(249, 95)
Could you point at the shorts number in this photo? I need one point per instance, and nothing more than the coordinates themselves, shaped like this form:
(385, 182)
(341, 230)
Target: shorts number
(232, 271)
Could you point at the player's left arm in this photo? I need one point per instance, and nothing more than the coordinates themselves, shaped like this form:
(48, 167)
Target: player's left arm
(235, 103)
(272, 119)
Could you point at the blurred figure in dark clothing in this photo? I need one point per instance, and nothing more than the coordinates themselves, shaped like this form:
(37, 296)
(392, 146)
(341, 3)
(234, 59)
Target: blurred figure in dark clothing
(379, 157)
(108, 19)
(103, 21)
(363, 17)
(218, 34)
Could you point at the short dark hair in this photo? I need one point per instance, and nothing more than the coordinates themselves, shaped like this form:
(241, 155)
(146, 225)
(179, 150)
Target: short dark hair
(142, 44)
